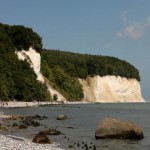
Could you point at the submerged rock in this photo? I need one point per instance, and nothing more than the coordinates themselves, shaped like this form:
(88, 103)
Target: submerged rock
(17, 117)
(39, 117)
(118, 129)
(15, 124)
(29, 121)
(50, 132)
(3, 127)
(23, 126)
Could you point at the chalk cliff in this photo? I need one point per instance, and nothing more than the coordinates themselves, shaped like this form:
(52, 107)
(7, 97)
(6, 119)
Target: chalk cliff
(34, 59)
(96, 89)
(111, 89)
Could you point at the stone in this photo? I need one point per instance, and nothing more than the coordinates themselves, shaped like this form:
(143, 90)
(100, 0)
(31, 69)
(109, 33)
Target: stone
(29, 121)
(23, 126)
(3, 127)
(50, 132)
(15, 124)
(118, 129)
(17, 117)
(61, 117)
(41, 139)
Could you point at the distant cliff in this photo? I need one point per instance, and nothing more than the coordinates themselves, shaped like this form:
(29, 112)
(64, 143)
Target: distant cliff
(28, 72)
(111, 89)
(96, 89)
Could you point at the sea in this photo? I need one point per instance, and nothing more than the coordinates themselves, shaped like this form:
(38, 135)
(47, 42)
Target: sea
(82, 121)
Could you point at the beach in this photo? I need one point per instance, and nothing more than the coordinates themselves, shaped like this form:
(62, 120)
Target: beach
(79, 127)
(9, 142)
(35, 103)
(20, 143)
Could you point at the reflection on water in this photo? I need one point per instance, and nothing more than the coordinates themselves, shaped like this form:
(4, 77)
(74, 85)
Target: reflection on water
(79, 128)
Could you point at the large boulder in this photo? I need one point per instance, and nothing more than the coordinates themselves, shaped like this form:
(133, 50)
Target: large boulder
(118, 129)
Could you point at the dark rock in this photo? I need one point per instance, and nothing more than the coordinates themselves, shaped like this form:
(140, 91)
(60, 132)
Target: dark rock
(94, 148)
(36, 116)
(41, 139)
(78, 145)
(118, 129)
(71, 146)
(29, 121)
(17, 117)
(23, 126)
(45, 117)
(3, 127)
(86, 146)
(50, 132)
(14, 124)
(39, 117)
(61, 117)
(70, 127)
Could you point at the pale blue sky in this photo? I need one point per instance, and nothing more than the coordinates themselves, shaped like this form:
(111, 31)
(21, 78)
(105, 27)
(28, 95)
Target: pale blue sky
(119, 28)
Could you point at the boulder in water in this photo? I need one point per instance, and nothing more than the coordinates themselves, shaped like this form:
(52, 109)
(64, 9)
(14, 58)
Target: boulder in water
(61, 117)
(118, 129)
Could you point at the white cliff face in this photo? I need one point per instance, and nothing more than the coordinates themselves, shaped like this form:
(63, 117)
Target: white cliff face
(34, 59)
(96, 89)
(111, 89)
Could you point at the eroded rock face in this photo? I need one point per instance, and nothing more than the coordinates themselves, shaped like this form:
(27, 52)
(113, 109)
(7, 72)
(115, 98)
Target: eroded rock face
(34, 60)
(118, 129)
(111, 89)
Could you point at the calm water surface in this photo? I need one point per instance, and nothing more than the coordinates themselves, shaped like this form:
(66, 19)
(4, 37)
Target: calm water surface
(83, 120)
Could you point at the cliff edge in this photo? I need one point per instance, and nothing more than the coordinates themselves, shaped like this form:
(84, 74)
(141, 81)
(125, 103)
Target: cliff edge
(34, 58)
(111, 89)
(95, 89)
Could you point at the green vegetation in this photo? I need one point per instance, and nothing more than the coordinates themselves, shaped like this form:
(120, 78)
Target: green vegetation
(83, 65)
(19, 37)
(17, 79)
(61, 69)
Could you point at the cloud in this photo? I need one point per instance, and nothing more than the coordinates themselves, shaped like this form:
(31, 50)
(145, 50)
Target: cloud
(133, 29)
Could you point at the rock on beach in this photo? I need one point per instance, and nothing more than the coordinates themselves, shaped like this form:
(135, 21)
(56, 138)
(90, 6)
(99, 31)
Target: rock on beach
(118, 129)
(8, 142)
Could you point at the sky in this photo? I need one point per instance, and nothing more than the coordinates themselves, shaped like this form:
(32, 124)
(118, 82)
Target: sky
(118, 28)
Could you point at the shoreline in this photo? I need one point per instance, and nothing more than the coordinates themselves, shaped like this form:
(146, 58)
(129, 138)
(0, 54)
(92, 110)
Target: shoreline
(15, 104)
(20, 143)
(17, 143)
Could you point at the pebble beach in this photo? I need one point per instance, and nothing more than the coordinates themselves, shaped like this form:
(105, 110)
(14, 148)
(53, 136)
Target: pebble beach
(9, 142)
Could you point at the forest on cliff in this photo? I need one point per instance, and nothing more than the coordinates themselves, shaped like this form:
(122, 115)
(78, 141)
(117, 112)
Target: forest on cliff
(61, 69)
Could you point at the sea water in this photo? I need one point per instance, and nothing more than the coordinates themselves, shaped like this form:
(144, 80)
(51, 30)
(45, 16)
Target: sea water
(79, 128)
